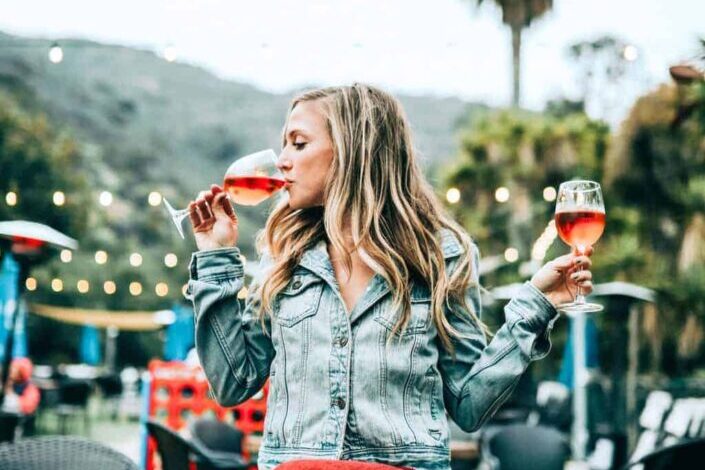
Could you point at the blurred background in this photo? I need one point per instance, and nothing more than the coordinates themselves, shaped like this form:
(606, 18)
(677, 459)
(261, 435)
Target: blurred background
(107, 107)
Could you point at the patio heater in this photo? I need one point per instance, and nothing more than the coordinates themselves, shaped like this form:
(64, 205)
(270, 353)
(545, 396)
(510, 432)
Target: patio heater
(29, 243)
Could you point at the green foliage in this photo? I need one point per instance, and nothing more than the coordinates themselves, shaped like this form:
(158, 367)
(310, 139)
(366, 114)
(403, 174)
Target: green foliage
(653, 175)
(35, 161)
(524, 152)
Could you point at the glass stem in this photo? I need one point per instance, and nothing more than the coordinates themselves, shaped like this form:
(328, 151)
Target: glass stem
(579, 297)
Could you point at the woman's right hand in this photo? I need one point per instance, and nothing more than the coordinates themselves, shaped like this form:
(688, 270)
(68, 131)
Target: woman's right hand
(213, 220)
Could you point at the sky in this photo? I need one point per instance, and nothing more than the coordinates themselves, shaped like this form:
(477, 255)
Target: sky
(436, 47)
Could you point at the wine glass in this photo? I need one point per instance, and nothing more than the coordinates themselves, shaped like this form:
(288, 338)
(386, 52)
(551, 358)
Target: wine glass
(249, 180)
(580, 220)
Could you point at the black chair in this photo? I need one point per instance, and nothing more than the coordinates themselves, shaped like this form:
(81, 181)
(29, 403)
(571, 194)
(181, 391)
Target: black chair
(520, 446)
(216, 435)
(683, 456)
(8, 426)
(73, 402)
(61, 453)
(111, 388)
(176, 452)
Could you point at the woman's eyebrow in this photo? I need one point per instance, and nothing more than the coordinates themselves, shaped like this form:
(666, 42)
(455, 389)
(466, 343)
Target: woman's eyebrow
(294, 131)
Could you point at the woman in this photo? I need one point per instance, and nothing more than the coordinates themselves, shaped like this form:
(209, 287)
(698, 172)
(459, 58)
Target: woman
(366, 318)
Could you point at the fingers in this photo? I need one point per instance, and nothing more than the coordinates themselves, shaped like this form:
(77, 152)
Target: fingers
(208, 206)
(572, 262)
(194, 215)
(584, 280)
(581, 277)
(582, 262)
(200, 213)
(222, 203)
(563, 262)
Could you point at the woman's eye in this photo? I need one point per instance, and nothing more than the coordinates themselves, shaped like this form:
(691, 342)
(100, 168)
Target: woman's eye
(299, 145)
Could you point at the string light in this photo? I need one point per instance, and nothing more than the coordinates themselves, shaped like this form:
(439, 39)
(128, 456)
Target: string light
(170, 260)
(630, 53)
(549, 193)
(154, 198)
(66, 256)
(56, 54)
(109, 287)
(30, 283)
(105, 198)
(502, 194)
(57, 285)
(101, 257)
(135, 288)
(136, 259)
(169, 53)
(162, 289)
(83, 286)
(511, 254)
(184, 289)
(11, 198)
(453, 195)
(59, 198)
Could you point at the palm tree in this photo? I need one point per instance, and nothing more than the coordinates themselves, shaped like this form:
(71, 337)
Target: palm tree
(519, 14)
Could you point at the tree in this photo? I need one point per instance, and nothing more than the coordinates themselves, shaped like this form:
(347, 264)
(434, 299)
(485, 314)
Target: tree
(524, 153)
(36, 161)
(656, 168)
(608, 71)
(519, 14)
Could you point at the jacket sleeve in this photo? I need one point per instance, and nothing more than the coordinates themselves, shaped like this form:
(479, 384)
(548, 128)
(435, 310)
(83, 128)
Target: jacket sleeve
(479, 377)
(234, 348)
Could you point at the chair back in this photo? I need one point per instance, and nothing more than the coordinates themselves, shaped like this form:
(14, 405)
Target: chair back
(61, 453)
(172, 448)
(75, 393)
(216, 435)
(110, 385)
(685, 455)
(520, 446)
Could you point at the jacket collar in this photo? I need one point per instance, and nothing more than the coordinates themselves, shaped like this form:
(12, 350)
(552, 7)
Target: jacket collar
(316, 260)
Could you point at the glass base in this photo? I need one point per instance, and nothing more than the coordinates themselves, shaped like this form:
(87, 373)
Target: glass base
(580, 307)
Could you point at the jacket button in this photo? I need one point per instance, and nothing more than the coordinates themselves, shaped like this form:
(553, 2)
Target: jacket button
(296, 284)
(342, 342)
(339, 402)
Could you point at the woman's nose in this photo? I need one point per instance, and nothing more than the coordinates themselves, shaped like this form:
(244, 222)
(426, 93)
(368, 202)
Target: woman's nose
(283, 163)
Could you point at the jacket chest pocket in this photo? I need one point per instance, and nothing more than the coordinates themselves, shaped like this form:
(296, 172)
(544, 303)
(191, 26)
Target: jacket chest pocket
(420, 315)
(298, 300)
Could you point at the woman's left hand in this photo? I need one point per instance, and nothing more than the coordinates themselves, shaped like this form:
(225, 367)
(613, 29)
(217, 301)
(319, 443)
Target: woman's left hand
(559, 279)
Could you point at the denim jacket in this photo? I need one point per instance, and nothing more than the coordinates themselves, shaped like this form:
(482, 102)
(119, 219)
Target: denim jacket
(338, 388)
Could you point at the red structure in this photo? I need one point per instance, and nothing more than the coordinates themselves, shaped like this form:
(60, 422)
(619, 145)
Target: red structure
(179, 393)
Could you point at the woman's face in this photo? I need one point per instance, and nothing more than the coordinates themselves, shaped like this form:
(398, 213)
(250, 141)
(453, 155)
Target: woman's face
(306, 156)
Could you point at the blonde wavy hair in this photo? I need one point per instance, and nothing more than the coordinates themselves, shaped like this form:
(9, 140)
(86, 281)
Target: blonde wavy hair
(395, 217)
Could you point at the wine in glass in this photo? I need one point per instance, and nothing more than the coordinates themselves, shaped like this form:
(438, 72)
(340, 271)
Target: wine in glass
(249, 180)
(580, 220)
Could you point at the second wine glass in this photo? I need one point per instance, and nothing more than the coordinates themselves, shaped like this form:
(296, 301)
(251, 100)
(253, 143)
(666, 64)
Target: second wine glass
(580, 220)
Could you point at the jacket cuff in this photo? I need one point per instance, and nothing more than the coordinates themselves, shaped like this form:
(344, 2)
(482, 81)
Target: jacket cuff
(533, 306)
(217, 264)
